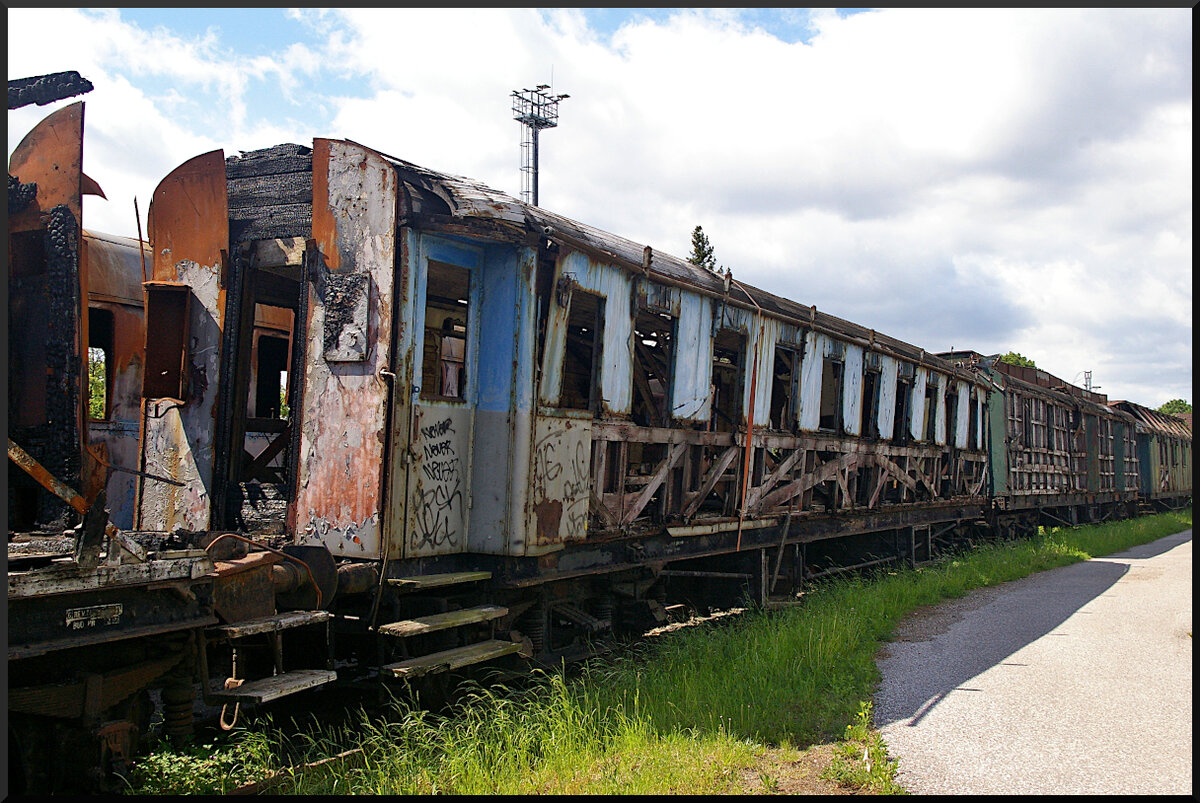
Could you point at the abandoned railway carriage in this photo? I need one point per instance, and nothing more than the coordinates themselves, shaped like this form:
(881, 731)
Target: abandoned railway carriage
(1164, 449)
(390, 422)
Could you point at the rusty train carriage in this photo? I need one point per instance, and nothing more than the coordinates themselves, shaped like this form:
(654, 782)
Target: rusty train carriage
(391, 422)
(1164, 455)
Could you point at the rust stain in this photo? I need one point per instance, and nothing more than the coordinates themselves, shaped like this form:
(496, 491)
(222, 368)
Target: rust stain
(50, 155)
(549, 515)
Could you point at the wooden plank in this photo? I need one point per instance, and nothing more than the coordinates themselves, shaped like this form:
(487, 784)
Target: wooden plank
(676, 451)
(710, 480)
(756, 493)
(442, 621)
(451, 659)
(267, 689)
(422, 581)
(826, 471)
(272, 624)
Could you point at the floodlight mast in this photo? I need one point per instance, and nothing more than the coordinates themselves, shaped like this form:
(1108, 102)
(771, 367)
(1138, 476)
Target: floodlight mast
(534, 109)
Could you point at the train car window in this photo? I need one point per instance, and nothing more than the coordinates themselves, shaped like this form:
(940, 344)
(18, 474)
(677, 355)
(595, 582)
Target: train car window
(167, 308)
(903, 422)
(443, 367)
(729, 349)
(869, 424)
(783, 388)
(270, 387)
(653, 356)
(100, 363)
(930, 411)
(831, 395)
(951, 415)
(581, 357)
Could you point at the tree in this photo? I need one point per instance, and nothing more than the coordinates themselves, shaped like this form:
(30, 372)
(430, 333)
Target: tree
(702, 250)
(1175, 407)
(1016, 358)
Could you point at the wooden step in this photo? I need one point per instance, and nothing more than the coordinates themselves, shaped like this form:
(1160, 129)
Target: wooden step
(267, 689)
(423, 581)
(272, 624)
(451, 659)
(441, 621)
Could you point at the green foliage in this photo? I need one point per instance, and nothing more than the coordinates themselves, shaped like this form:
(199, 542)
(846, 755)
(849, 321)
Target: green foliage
(97, 381)
(1175, 407)
(703, 253)
(203, 769)
(1016, 358)
(861, 759)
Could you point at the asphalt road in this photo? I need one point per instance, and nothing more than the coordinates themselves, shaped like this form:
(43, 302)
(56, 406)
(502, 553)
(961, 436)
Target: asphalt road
(1076, 680)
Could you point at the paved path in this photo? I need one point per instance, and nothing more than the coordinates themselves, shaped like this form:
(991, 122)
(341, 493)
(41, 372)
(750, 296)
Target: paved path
(1077, 680)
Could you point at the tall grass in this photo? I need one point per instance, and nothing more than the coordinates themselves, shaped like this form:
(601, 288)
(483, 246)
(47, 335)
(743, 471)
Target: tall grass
(685, 714)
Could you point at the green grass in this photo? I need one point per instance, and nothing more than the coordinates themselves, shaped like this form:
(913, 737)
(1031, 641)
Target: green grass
(686, 714)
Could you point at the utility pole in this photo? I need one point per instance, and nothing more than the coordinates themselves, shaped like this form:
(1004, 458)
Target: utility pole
(534, 109)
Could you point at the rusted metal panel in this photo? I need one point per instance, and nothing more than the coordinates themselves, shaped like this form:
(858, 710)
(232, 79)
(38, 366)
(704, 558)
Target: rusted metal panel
(693, 359)
(888, 369)
(852, 390)
(188, 229)
(439, 483)
(51, 156)
(561, 483)
(340, 468)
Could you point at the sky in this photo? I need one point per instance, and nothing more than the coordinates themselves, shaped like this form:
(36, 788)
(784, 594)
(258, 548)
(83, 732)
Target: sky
(996, 180)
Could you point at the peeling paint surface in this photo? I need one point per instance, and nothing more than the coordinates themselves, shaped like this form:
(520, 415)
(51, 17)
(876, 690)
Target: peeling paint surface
(917, 421)
(614, 284)
(816, 349)
(852, 374)
(693, 359)
(561, 482)
(440, 479)
(178, 439)
(339, 493)
(887, 396)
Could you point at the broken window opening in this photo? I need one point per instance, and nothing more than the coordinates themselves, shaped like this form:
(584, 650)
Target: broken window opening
(581, 356)
(729, 349)
(951, 416)
(100, 363)
(972, 424)
(783, 389)
(653, 359)
(902, 421)
(831, 396)
(869, 425)
(167, 305)
(930, 412)
(271, 377)
(443, 371)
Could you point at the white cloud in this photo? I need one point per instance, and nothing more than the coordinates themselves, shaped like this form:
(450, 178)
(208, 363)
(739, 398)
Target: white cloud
(995, 179)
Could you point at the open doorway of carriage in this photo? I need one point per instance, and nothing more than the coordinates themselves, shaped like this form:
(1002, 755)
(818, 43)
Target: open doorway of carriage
(260, 376)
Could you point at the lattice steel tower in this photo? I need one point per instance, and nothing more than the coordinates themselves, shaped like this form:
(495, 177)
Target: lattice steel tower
(534, 109)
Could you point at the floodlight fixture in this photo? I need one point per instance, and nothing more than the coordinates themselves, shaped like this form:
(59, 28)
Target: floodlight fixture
(535, 109)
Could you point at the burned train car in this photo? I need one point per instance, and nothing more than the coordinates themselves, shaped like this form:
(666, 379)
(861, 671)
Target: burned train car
(1060, 454)
(1164, 449)
(94, 618)
(509, 431)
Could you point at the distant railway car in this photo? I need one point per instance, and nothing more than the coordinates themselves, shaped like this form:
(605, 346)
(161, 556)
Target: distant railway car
(1060, 454)
(1164, 448)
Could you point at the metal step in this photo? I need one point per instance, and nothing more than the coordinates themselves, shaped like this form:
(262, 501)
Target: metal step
(267, 689)
(441, 621)
(451, 659)
(272, 624)
(424, 581)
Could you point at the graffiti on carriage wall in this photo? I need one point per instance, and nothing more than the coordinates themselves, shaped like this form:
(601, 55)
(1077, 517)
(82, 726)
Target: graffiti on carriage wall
(562, 482)
(438, 498)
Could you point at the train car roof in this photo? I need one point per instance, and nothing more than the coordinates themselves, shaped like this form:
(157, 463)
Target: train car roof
(1153, 420)
(115, 272)
(467, 199)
